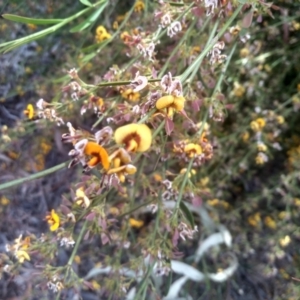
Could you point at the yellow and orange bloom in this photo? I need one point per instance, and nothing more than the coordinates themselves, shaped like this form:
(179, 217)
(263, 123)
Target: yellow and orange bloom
(135, 137)
(134, 223)
(254, 220)
(81, 198)
(187, 148)
(270, 222)
(261, 158)
(130, 95)
(102, 34)
(170, 104)
(238, 90)
(103, 37)
(192, 149)
(97, 103)
(32, 26)
(258, 124)
(22, 255)
(191, 173)
(96, 154)
(244, 52)
(29, 111)
(19, 249)
(139, 6)
(100, 30)
(121, 164)
(261, 147)
(235, 30)
(125, 36)
(53, 220)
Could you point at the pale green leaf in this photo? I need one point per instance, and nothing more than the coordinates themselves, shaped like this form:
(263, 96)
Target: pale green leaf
(90, 20)
(26, 20)
(86, 2)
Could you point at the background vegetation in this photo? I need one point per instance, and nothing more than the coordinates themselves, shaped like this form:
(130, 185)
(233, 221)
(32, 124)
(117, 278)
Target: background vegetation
(210, 210)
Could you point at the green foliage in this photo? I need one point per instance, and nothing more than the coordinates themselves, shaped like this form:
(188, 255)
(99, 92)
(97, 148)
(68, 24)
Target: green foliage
(177, 146)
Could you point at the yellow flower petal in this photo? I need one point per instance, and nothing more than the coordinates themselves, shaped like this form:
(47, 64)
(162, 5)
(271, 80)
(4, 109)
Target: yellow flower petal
(82, 198)
(116, 170)
(100, 30)
(164, 102)
(130, 169)
(117, 162)
(136, 223)
(139, 6)
(29, 112)
(54, 216)
(21, 255)
(261, 122)
(193, 149)
(121, 154)
(53, 220)
(130, 95)
(136, 137)
(179, 103)
(54, 227)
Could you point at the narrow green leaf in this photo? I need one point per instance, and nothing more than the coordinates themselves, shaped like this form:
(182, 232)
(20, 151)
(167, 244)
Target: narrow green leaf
(88, 57)
(61, 79)
(86, 2)
(19, 42)
(5, 47)
(90, 20)
(33, 176)
(187, 214)
(25, 20)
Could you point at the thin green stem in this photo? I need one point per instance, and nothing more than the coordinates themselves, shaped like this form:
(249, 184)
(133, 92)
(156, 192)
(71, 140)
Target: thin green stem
(184, 182)
(192, 70)
(163, 32)
(221, 77)
(158, 129)
(146, 117)
(196, 64)
(34, 176)
(77, 243)
(185, 36)
(125, 82)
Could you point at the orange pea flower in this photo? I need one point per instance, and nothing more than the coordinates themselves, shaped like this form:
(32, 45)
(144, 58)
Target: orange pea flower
(98, 154)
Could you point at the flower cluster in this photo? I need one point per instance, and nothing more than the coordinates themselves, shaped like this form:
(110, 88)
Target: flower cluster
(173, 131)
(20, 249)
